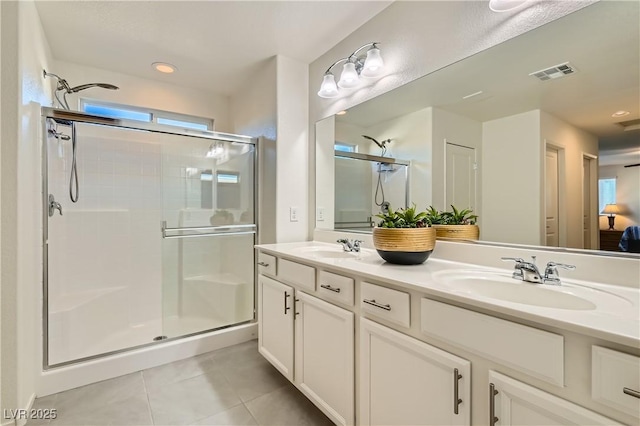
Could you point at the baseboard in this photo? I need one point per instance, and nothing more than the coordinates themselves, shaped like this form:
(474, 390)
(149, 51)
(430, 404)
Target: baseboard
(20, 422)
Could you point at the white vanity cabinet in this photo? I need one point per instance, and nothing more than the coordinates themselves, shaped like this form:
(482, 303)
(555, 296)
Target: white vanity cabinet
(310, 341)
(404, 381)
(512, 402)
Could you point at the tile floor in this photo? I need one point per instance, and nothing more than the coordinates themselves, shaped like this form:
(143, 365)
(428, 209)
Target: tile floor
(230, 386)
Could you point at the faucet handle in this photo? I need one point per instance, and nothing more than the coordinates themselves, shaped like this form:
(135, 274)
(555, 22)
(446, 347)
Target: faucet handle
(517, 274)
(515, 259)
(551, 275)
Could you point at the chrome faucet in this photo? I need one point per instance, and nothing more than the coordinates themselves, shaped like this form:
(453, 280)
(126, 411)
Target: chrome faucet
(551, 275)
(350, 245)
(529, 272)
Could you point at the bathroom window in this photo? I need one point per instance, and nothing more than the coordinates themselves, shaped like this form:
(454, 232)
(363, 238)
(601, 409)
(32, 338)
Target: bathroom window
(606, 192)
(128, 112)
(228, 190)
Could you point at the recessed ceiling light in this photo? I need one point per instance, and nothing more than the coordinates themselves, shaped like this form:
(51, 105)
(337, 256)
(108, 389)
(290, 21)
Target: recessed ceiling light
(620, 114)
(505, 5)
(343, 112)
(164, 67)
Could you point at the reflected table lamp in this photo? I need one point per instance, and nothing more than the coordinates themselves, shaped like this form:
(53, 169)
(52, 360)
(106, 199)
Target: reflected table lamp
(612, 210)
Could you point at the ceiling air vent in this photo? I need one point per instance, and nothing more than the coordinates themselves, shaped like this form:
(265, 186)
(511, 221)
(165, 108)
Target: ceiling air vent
(554, 72)
(630, 124)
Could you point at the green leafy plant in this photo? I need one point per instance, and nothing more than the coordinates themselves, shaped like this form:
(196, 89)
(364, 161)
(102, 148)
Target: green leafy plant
(434, 217)
(459, 217)
(403, 218)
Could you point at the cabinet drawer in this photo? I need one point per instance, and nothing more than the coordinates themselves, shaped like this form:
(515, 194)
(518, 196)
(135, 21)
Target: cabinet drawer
(615, 379)
(383, 302)
(527, 349)
(267, 264)
(336, 287)
(299, 275)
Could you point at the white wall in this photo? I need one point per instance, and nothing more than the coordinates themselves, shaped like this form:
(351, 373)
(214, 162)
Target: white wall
(511, 147)
(144, 93)
(293, 146)
(325, 166)
(24, 53)
(575, 144)
(453, 128)
(253, 112)
(413, 35)
(627, 194)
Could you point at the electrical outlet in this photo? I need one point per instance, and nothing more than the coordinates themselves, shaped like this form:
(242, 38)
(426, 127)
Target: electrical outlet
(293, 214)
(320, 214)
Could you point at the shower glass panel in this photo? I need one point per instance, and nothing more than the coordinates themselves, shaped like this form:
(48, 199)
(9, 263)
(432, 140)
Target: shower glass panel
(159, 243)
(208, 255)
(362, 183)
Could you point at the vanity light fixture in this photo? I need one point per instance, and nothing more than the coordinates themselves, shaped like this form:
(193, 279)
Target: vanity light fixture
(343, 112)
(164, 67)
(505, 5)
(354, 67)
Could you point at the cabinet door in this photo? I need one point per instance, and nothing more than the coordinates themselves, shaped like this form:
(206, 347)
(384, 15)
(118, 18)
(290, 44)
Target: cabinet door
(514, 403)
(404, 381)
(324, 356)
(275, 324)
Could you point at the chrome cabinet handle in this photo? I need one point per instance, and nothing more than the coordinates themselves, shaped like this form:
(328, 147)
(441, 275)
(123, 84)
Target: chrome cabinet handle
(286, 308)
(631, 392)
(492, 405)
(373, 302)
(328, 287)
(456, 396)
(263, 264)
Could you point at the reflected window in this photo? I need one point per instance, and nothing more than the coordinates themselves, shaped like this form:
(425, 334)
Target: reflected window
(606, 192)
(345, 147)
(227, 190)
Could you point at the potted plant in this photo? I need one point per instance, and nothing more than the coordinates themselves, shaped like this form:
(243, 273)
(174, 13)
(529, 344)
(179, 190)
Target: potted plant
(454, 224)
(404, 236)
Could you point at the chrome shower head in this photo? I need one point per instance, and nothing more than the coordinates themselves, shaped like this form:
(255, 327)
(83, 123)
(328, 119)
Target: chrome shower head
(90, 85)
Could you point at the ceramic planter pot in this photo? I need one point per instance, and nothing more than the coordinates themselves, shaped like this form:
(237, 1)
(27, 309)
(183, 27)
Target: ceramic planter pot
(404, 246)
(458, 232)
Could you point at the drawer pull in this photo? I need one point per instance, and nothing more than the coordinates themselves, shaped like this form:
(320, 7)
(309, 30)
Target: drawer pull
(328, 287)
(263, 264)
(631, 392)
(456, 393)
(286, 308)
(372, 302)
(492, 404)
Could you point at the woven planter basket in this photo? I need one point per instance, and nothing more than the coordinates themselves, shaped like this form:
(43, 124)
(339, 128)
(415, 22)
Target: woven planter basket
(405, 246)
(458, 232)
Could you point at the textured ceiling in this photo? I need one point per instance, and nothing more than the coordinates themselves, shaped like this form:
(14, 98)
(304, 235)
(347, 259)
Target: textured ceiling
(216, 45)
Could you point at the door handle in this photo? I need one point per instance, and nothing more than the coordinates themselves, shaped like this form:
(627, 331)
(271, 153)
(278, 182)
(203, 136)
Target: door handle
(456, 392)
(492, 404)
(286, 308)
(54, 205)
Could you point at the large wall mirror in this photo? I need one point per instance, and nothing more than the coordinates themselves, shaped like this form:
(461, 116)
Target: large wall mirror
(535, 135)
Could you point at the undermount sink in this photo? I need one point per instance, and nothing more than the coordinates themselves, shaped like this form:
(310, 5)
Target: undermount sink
(328, 252)
(502, 286)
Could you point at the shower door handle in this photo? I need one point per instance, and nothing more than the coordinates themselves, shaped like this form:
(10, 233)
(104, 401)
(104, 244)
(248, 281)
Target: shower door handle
(54, 205)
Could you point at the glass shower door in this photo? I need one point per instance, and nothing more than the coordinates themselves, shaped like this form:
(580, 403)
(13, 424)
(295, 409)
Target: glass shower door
(208, 232)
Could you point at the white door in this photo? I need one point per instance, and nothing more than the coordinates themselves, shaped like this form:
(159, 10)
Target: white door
(324, 347)
(404, 381)
(551, 197)
(586, 200)
(275, 324)
(516, 403)
(460, 181)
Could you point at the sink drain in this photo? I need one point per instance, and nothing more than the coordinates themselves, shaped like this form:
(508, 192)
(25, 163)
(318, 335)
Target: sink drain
(157, 339)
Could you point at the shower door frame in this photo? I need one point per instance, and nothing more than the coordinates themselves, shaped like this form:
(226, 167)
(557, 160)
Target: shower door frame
(62, 116)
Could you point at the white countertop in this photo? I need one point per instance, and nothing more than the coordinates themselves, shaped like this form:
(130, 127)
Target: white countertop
(618, 322)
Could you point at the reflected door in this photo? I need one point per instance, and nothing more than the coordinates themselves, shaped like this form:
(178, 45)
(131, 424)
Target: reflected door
(208, 232)
(460, 177)
(551, 196)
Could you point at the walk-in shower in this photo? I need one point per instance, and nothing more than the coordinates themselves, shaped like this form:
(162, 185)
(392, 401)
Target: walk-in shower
(160, 244)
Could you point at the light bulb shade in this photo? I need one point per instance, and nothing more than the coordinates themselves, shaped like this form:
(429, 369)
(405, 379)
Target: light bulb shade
(349, 77)
(611, 209)
(328, 88)
(505, 5)
(373, 65)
